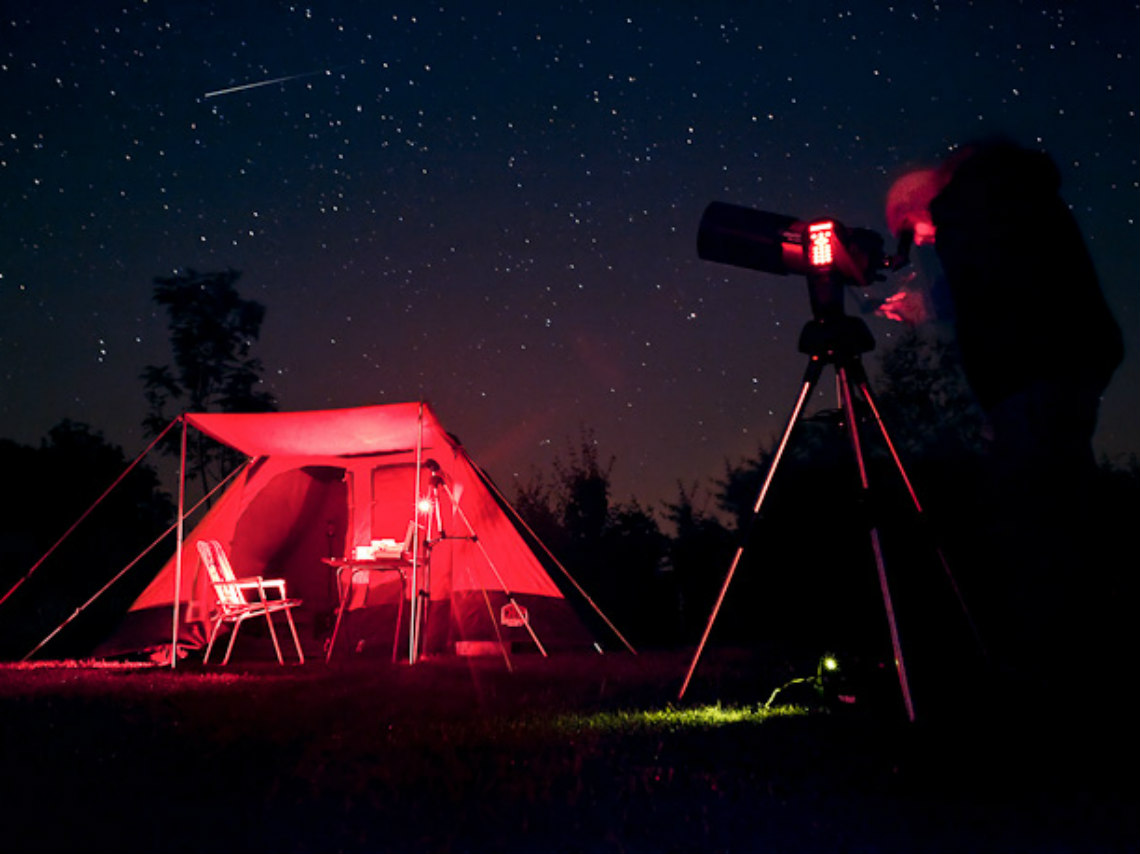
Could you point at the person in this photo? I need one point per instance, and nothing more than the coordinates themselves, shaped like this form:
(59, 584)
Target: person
(1038, 345)
(1031, 321)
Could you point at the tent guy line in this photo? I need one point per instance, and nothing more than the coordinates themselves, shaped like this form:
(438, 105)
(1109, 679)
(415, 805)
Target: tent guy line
(87, 512)
(170, 530)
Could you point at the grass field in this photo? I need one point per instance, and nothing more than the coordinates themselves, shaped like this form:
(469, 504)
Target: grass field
(567, 754)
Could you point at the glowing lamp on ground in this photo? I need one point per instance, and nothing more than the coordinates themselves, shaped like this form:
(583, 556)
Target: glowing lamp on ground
(424, 505)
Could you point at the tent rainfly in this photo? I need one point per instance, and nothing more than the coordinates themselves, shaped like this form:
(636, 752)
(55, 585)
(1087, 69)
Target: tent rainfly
(321, 485)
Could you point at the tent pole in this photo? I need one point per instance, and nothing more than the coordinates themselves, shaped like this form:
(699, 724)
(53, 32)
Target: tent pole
(414, 594)
(178, 547)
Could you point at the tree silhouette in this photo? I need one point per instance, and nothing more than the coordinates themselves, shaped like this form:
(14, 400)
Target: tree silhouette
(536, 504)
(212, 330)
(584, 505)
(613, 550)
(925, 398)
(699, 554)
(53, 485)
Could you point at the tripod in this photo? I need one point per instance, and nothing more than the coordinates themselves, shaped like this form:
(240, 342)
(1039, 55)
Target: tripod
(834, 338)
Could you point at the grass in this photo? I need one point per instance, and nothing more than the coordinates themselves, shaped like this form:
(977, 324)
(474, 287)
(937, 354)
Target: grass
(567, 754)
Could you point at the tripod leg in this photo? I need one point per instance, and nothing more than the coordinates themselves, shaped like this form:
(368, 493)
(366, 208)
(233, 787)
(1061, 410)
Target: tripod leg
(865, 390)
(880, 566)
(811, 377)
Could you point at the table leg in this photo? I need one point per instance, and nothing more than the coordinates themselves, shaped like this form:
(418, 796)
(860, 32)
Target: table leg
(339, 612)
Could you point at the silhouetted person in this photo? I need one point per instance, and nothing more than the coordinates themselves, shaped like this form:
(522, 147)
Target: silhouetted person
(1039, 346)
(1033, 327)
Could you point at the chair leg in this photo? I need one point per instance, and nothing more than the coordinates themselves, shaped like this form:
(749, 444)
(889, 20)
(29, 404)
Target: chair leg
(233, 637)
(213, 637)
(296, 640)
(273, 634)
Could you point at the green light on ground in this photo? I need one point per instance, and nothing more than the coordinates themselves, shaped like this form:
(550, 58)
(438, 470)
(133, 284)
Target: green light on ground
(670, 719)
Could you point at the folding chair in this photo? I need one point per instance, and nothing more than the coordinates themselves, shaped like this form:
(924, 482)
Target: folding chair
(236, 605)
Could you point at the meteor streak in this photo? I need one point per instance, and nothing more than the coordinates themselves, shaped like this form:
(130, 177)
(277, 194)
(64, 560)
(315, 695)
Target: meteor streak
(259, 83)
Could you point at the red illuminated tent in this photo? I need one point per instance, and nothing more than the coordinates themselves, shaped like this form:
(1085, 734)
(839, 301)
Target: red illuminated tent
(323, 484)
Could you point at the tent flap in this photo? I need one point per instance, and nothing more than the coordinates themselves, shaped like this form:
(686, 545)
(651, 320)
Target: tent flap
(329, 432)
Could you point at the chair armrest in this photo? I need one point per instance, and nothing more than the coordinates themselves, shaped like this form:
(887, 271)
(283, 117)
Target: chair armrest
(277, 584)
(260, 584)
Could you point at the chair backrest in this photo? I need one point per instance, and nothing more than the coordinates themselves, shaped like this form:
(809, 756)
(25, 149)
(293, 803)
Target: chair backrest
(218, 565)
(409, 535)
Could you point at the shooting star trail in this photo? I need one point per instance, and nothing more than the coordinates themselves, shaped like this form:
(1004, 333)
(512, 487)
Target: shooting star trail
(260, 83)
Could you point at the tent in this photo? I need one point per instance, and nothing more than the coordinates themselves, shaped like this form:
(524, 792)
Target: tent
(322, 485)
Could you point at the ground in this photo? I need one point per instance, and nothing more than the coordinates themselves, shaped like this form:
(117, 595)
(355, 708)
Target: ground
(566, 754)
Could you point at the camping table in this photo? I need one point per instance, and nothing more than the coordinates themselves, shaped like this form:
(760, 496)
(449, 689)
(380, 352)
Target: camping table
(344, 591)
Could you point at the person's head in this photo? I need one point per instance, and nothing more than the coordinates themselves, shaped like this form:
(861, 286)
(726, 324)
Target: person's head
(977, 181)
(908, 204)
(995, 181)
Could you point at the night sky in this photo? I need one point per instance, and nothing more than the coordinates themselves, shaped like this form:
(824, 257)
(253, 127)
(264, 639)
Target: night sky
(495, 207)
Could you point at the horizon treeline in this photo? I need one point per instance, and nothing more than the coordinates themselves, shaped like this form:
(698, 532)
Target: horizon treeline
(806, 573)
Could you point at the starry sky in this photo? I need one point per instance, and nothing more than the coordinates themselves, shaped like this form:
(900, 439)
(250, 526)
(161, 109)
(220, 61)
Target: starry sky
(494, 207)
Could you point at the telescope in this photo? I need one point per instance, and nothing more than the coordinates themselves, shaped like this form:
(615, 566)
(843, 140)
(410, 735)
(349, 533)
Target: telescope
(832, 257)
(828, 253)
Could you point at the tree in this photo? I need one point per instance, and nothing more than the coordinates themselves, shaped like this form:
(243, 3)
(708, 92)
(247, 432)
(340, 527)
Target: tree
(926, 401)
(634, 550)
(535, 503)
(51, 488)
(212, 330)
(699, 555)
(585, 500)
(613, 550)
